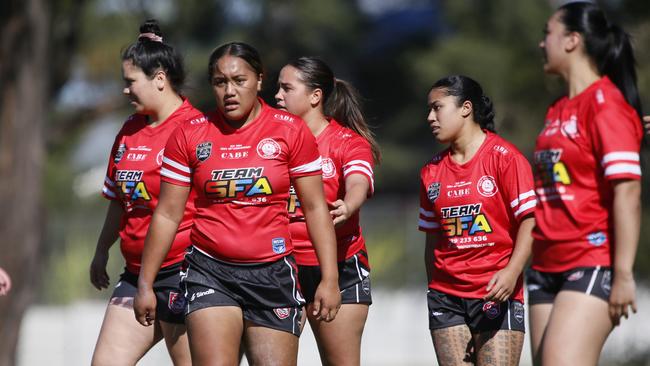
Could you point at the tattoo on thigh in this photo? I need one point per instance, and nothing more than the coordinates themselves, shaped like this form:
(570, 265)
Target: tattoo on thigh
(501, 347)
(453, 345)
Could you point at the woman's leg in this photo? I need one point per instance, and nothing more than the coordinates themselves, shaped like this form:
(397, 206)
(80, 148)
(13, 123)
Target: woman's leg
(501, 347)
(122, 340)
(453, 345)
(577, 329)
(538, 319)
(339, 341)
(270, 347)
(177, 343)
(215, 335)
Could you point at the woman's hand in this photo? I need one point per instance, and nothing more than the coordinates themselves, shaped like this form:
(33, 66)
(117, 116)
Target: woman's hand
(622, 297)
(98, 276)
(340, 212)
(144, 306)
(501, 285)
(327, 301)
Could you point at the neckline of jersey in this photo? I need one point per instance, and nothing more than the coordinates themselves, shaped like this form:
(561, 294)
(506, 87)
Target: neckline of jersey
(159, 127)
(232, 130)
(489, 136)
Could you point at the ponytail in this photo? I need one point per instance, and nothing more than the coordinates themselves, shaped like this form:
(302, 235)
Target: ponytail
(344, 105)
(341, 100)
(607, 44)
(467, 89)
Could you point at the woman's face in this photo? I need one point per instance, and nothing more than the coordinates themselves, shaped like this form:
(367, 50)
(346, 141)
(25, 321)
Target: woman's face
(235, 85)
(143, 91)
(445, 116)
(293, 95)
(554, 45)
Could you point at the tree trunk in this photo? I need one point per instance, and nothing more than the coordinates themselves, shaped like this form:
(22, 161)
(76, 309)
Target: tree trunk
(24, 100)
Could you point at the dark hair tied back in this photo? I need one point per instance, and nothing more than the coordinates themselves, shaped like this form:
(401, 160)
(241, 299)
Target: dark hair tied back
(341, 100)
(607, 44)
(150, 54)
(467, 89)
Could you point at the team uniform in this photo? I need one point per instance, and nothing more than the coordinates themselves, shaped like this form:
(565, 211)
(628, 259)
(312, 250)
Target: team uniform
(242, 247)
(343, 153)
(476, 209)
(133, 179)
(587, 142)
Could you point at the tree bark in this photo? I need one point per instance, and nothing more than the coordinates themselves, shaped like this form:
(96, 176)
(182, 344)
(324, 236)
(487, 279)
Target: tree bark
(24, 100)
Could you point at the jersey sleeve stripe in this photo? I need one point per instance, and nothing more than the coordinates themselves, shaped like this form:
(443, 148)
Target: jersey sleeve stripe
(525, 207)
(108, 192)
(359, 162)
(169, 174)
(623, 168)
(313, 166)
(426, 213)
(428, 224)
(176, 165)
(109, 182)
(620, 155)
(521, 197)
(363, 171)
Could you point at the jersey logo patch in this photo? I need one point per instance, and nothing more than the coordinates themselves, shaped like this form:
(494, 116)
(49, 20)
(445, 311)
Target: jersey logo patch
(519, 312)
(268, 149)
(176, 302)
(597, 239)
(159, 157)
(433, 191)
(486, 186)
(328, 168)
(119, 153)
(282, 313)
(203, 150)
(278, 245)
(491, 309)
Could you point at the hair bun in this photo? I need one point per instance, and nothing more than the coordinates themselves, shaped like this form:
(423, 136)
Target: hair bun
(151, 30)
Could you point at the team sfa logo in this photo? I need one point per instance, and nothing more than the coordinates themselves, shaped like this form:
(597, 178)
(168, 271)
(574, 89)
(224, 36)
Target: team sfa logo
(328, 168)
(268, 149)
(282, 313)
(203, 150)
(176, 303)
(119, 153)
(433, 191)
(486, 186)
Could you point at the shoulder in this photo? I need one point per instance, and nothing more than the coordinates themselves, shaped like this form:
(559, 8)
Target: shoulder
(281, 119)
(435, 162)
(503, 149)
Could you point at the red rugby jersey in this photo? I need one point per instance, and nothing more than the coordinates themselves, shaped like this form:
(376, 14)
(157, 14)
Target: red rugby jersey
(242, 179)
(477, 207)
(587, 142)
(344, 152)
(133, 178)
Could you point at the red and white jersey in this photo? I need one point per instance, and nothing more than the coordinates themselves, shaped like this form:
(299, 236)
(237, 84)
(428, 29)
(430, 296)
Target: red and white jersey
(133, 178)
(242, 178)
(476, 208)
(587, 142)
(343, 152)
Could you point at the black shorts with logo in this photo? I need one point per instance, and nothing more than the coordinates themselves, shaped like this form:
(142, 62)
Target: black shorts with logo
(354, 281)
(268, 293)
(544, 286)
(170, 304)
(480, 316)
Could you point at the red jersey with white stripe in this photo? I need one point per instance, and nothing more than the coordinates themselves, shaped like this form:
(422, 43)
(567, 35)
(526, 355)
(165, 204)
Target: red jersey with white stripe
(344, 152)
(476, 208)
(133, 178)
(587, 142)
(242, 178)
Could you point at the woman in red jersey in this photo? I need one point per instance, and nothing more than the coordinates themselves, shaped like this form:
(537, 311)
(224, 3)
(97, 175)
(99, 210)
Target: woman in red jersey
(153, 74)
(476, 207)
(240, 278)
(331, 109)
(588, 183)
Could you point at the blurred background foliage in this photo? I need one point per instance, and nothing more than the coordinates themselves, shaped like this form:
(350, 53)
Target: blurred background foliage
(391, 50)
